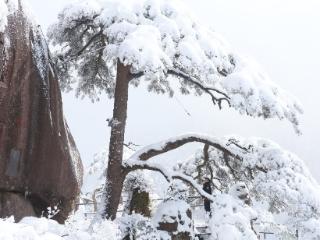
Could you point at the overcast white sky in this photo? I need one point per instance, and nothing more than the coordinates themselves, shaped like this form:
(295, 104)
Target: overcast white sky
(282, 36)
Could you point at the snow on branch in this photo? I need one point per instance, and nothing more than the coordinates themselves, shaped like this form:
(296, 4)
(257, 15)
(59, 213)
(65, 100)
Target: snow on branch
(177, 45)
(203, 87)
(174, 143)
(169, 176)
(139, 159)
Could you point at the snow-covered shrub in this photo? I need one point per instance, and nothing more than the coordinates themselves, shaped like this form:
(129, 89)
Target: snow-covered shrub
(139, 187)
(232, 219)
(105, 230)
(281, 188)
(240, 191)
(309, 229)
(136, 226)
(177, 190)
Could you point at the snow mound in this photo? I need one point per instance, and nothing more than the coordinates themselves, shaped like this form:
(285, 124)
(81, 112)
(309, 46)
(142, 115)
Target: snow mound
(174, 211)
(31, 228)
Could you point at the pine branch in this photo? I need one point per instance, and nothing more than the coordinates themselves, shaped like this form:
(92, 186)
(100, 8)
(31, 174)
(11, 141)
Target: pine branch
(209, 90)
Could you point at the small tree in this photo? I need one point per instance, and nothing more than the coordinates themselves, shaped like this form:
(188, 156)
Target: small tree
(105, 46)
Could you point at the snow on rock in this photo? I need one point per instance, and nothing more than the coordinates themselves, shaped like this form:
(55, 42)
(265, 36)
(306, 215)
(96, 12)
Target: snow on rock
(3, 15)
(175, 212)
(160, 38)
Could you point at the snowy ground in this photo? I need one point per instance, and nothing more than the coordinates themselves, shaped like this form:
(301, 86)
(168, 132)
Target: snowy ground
(79, 227)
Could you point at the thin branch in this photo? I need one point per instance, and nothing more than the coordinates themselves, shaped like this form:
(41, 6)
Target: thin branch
(261, 169)
(79, 22)
(131, 145)
(206, 163)
(232, 170)
(206, 89)
(88, 43)
(188, 78)
(235, 142)
(142, 165)
(136, 75)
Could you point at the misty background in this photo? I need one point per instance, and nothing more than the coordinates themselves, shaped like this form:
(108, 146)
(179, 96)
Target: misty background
(282, 36)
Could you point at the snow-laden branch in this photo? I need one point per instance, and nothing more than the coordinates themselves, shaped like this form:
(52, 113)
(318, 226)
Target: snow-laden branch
(177, 46)
(176, 142)
(169, 175)
(139, 159)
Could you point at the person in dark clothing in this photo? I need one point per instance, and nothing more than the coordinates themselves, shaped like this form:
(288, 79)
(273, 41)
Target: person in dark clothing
(207, 189)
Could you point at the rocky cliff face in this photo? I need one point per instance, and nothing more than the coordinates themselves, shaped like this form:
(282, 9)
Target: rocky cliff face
(39, 161)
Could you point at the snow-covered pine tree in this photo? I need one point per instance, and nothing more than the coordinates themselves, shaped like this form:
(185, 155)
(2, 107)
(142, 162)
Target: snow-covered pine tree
(282, 191)
(103, 46)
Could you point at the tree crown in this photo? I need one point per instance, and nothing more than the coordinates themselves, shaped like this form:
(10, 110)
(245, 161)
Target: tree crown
(161, 43)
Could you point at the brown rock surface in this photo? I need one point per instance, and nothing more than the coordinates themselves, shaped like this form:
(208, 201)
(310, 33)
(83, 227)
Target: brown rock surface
(12, 202)
(38, 157)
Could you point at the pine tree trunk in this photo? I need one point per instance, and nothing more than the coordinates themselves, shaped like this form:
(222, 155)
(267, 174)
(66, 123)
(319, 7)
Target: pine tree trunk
(115, 173)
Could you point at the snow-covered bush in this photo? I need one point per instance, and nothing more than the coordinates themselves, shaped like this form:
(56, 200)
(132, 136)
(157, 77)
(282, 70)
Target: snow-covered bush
(231, 219)
(139, 187)
(240, 191)
(136, 226)
(281, 188)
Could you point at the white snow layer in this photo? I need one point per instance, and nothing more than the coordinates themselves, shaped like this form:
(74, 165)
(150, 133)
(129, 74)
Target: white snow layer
(3, 15)
(31, 228)
(159, 36)
(39, 46)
